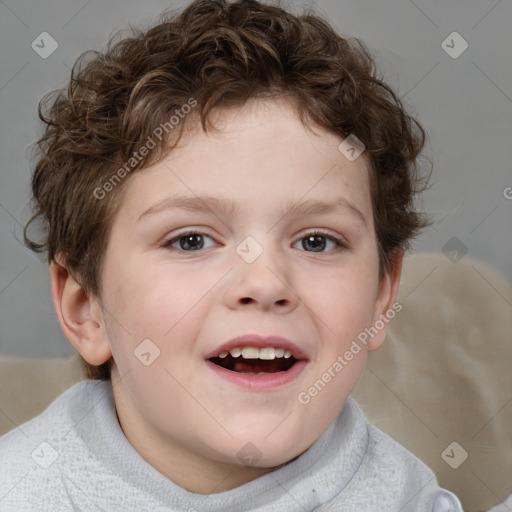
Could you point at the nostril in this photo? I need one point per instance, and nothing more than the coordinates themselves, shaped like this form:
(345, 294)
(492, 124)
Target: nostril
(246, 300)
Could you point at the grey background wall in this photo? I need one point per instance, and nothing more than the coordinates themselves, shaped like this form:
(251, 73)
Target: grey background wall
(463, 96)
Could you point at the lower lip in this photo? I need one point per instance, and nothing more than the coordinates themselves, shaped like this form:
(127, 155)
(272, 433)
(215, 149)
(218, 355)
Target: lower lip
(264, 381)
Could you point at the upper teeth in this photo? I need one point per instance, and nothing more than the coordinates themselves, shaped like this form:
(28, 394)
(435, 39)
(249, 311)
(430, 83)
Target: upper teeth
(257, 353)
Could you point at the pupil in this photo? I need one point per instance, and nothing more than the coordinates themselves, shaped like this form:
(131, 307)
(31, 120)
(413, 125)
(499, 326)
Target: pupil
(316, 241)
(189, 241)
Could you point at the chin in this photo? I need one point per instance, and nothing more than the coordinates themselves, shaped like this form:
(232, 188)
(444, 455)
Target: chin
(267, 454)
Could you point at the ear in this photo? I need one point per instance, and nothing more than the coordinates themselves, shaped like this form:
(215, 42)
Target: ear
(80, 316)
(385, 304)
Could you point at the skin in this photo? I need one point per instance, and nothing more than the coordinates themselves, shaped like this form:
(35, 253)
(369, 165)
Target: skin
(179, 415)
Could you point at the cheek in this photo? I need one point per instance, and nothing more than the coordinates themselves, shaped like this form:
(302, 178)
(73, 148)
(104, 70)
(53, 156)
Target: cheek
(156, 303)
(142, 294)
(345, 299)
(344, 303)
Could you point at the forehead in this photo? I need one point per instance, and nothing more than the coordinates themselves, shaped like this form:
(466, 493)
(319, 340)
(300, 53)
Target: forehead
(260, 155)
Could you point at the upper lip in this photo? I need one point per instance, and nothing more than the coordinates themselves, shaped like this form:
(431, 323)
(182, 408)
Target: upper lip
(256, 340)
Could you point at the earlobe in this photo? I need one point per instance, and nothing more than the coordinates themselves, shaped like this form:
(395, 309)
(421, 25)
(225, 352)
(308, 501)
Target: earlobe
(80, 320)
(385, 305)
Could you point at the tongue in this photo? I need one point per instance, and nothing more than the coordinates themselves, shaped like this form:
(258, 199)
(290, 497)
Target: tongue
(256, 366)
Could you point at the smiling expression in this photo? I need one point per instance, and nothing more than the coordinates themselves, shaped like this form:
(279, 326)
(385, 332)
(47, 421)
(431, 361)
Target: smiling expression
(262, 229)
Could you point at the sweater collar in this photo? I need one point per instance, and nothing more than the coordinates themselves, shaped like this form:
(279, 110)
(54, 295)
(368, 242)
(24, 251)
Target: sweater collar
(313, 478)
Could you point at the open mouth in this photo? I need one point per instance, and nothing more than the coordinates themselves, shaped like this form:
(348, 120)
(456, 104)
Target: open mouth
(254, 360)
(254, 366)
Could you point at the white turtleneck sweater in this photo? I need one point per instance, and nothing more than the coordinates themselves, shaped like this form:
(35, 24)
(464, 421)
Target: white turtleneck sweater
(75, 457)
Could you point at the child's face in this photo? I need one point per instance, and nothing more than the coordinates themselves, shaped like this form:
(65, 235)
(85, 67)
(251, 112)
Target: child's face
(184, 414)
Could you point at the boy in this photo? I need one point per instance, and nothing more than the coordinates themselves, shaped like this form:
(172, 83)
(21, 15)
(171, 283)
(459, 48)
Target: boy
(228, 197)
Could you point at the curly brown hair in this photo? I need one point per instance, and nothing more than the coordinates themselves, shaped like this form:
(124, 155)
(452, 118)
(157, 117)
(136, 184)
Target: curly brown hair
(213, 54)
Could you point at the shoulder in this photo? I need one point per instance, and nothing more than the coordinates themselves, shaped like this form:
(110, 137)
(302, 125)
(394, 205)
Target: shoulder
(395, 466)
(392, 478)
(55, 418)
(28, 452)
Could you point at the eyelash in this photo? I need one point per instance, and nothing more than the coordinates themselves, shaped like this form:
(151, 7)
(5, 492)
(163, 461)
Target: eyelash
(340, 243)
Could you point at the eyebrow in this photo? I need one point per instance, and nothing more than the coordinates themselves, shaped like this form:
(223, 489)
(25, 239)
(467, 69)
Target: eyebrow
(227, 207)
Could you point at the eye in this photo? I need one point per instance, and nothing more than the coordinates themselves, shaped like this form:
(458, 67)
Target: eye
(317, 241)
(188, 241)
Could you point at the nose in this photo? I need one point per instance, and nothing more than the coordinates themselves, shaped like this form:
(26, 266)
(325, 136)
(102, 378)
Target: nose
(265, 283)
